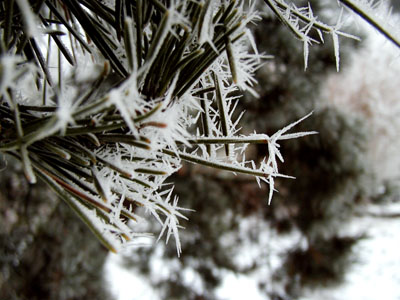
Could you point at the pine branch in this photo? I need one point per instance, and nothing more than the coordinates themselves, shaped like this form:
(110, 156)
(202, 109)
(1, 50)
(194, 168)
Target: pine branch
(146, 86)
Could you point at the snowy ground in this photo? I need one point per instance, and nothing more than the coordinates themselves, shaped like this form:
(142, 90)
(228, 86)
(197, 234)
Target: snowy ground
(126, 285)
(375, 275)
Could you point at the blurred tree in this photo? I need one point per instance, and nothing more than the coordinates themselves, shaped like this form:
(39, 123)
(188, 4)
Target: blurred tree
(396, 5)
(46, 253)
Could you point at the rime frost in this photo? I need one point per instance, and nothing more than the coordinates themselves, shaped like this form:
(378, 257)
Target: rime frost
(164, 92)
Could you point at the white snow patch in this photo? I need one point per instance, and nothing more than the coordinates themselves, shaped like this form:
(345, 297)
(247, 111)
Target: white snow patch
(125, 284)
(239, 287)
(375, 274)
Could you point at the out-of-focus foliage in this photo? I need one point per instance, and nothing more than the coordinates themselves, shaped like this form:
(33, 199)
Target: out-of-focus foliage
(46, 253)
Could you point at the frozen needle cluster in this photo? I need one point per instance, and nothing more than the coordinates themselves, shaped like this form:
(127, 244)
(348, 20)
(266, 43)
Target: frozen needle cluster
(104, 100)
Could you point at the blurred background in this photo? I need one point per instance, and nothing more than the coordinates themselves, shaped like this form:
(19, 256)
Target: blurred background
(328, 234)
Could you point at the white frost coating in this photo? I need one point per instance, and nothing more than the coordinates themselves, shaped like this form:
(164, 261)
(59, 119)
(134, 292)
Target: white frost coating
(273, 149)
(13, 75)
(8, 65)
(172, 222)
(306, 52)
(64, 115)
